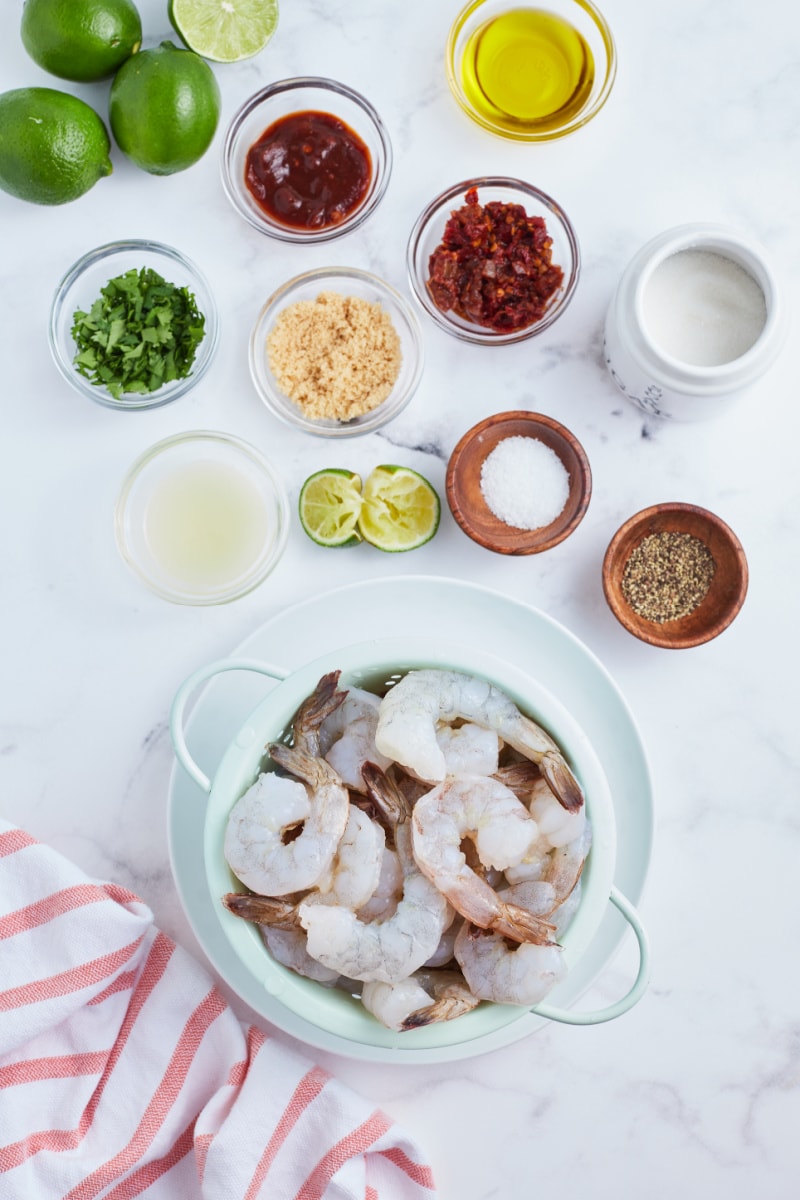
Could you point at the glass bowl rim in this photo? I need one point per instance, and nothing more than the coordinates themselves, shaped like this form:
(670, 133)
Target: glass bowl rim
(287, 233)
(581, 118)
(475, 334)
(241, 446)
(374, 419)
(206, 349)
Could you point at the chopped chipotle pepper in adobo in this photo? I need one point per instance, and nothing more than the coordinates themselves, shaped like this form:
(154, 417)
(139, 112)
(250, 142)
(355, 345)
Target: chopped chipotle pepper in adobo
(494, 266)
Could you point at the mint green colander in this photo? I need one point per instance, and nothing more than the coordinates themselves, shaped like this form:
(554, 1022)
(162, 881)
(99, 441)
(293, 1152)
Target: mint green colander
(365, 664)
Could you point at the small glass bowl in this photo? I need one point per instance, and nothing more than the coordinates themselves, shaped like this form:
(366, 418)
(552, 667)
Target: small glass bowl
(427, 235)
(201, 518)
(300, 95)
(350, 282)
(585, 19)
(81, 286)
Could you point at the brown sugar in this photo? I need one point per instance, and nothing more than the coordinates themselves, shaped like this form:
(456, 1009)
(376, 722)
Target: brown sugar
(336, 357)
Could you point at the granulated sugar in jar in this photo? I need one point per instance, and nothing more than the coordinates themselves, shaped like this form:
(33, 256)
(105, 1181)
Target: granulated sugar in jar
(524, 482)
(697, 318)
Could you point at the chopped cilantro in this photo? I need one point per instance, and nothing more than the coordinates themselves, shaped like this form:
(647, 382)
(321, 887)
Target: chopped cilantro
(140, 333)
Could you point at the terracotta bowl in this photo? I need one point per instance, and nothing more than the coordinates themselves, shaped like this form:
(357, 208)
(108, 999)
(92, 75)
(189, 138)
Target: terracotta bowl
(466, 499)
(722, 601)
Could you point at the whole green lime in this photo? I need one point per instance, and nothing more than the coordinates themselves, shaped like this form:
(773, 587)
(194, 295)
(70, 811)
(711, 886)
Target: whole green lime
(82, 40)
(53, 147)
(164, 108)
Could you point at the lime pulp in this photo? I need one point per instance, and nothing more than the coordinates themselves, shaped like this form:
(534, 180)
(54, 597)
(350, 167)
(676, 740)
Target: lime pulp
(329, 507)
(224, 32)
(400, 509)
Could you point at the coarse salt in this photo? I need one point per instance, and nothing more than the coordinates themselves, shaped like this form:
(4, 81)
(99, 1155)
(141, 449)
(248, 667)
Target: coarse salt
(524, 482)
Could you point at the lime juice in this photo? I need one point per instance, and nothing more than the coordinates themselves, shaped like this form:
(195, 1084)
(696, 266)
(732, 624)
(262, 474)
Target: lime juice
(206, 525)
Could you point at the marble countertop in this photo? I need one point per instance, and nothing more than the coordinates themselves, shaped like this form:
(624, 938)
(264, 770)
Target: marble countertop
(696, 1090)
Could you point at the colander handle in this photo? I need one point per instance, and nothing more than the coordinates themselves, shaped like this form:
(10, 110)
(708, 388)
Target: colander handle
(178, 708)
(639, 984)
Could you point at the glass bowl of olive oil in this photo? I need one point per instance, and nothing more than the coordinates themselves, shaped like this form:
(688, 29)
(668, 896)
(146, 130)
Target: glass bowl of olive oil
(201, 518)
(531, 73)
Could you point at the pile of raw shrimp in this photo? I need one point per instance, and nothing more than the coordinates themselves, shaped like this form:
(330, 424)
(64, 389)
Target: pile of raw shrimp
(422, 849)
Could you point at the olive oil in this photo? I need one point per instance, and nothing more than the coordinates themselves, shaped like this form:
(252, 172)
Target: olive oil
(527, 69)
(206, 525)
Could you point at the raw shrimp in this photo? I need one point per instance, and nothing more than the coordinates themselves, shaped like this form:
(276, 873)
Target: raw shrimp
(563, 914)
(281, 930)
(443, 954)
(387, 950)
(566, 864)
(423, 999)
(468, 749)
(487, 812)
(451, 995)
(392, 949)
(535, 896)
(410, 711)
(347, 737)
(531, 868)
(255, 848)
(506, 974)
(557, 828)
(541, 898)
(279, 912)
(314, 711)
(356, 868)
(288, 947)
(393, 799)
(387, 895)
(393, 1003)
(519, 776)
(351, 879)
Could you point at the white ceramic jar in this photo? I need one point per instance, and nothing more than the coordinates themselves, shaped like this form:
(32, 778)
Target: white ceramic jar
(661, 382)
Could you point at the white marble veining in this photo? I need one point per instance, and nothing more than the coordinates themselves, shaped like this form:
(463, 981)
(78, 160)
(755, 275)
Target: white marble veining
(697, 1090)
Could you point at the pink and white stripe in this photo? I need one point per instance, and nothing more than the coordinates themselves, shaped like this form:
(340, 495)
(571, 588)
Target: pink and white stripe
(123, 1072)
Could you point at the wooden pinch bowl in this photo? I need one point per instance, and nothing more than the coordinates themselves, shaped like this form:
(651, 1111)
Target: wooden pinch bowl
(728, 587)
(466, 500)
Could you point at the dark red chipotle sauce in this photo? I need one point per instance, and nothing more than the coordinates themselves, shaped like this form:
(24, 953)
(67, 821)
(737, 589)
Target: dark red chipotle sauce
(308, 170)
(494, 266)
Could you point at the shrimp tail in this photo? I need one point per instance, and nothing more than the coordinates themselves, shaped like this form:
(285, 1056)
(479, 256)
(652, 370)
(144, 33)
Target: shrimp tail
(519, 925)
(303, 765)
(519, 777)
(391, 804)
(324, 700)
(446, 1008)
(277, 912)
(562, 782)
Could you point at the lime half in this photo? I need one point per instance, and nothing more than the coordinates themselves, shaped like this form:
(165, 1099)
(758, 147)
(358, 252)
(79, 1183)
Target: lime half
(225, 31)
(400, 509)
(329, 507)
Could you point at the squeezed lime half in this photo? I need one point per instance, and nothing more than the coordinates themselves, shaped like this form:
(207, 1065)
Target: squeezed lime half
(400, 509)
(329, 507)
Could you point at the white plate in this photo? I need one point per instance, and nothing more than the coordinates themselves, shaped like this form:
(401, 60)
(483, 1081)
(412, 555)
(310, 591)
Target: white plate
(438, 607)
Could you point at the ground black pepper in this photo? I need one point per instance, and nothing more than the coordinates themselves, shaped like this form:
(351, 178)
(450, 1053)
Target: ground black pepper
(667, 576)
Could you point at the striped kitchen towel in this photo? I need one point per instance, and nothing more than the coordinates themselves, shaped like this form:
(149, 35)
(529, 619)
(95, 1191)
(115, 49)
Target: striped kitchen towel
(123, 1072)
